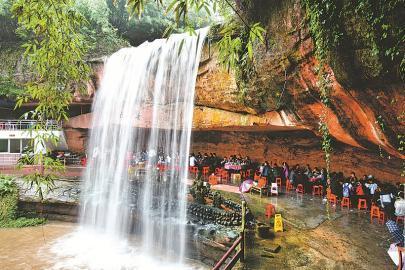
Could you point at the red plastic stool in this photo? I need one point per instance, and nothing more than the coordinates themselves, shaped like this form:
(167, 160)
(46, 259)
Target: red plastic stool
(381, 218)
(288, 185)
(400, 219)
(270, 210)
(300, 189)
(316, 190)
(278, 181)
(345, 202)
(333, 199)
(374, 213)
(194, 170)
(362, 204)
(205, 171)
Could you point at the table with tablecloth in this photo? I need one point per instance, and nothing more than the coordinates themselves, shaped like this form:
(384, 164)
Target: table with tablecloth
(234, 167)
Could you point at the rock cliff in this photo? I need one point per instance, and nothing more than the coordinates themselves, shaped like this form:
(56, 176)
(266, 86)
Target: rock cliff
(276, 116)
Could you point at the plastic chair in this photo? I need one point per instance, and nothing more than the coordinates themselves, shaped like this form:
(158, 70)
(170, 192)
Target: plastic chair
(218, 170)
(224, 176)
(194, 170)
(362, 204)
(374, 213)
(274, 189)
(300, 189)
(381, 218)
(278, 181)
(316, 190)
(345, 202)
(270, 210)
(205, 171)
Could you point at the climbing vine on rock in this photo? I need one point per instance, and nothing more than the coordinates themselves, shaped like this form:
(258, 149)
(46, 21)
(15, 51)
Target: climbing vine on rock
(323, 17)
(387, 40)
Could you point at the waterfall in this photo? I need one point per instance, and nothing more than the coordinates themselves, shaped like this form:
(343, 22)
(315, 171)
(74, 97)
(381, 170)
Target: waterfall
(144, 105)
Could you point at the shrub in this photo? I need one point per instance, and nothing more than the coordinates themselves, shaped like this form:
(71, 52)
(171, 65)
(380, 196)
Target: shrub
(9, 206)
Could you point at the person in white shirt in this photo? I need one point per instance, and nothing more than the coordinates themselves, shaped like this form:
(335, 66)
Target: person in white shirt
(192, 160)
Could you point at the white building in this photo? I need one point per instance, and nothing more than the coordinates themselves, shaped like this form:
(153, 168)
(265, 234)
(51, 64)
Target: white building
(15, 135)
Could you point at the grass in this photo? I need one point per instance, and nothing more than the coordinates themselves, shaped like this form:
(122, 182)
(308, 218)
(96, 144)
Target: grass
(21, 222)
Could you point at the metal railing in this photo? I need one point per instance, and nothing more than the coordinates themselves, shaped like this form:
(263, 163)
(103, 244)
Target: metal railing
(6, 124)
(232, 253)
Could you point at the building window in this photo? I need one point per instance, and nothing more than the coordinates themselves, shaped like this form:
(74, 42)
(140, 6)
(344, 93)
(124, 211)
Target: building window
(15, 146)
(3, 145)
(25, 144)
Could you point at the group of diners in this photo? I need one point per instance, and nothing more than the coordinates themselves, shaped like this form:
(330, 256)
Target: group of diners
(367, 188)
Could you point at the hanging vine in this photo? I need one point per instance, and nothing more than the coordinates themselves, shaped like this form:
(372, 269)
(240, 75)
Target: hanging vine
(323, 17)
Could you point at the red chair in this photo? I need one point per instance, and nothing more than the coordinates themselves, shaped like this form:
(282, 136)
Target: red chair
(205, 171)
(400, 219)
(224, 176)
(345, 202)
(300, 189)
(317, 190)
(374, 213)
(288, 185)
(278, 181)
(83, 161)
(270, 210)
(218, 170)
(248, 173)
(381, 218)
(362, 204)
(333, 199)
(194, 170)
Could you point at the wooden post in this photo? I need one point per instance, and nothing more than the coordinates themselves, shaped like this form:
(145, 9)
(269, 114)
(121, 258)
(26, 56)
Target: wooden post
(242, 243)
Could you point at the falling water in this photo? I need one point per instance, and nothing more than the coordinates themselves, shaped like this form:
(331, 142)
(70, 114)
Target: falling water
(145, 102)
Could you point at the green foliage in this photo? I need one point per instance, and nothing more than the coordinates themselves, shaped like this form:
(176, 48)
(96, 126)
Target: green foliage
(8, 198)
(101, 36)
(323, 17)
(387, 39)
(21, 222)
(9, 90)
(236, 51)
(43, 180)
(7, 185)
(55, 52)
(217, 199)
(8, 205)
(8, 25)
(199, 191)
